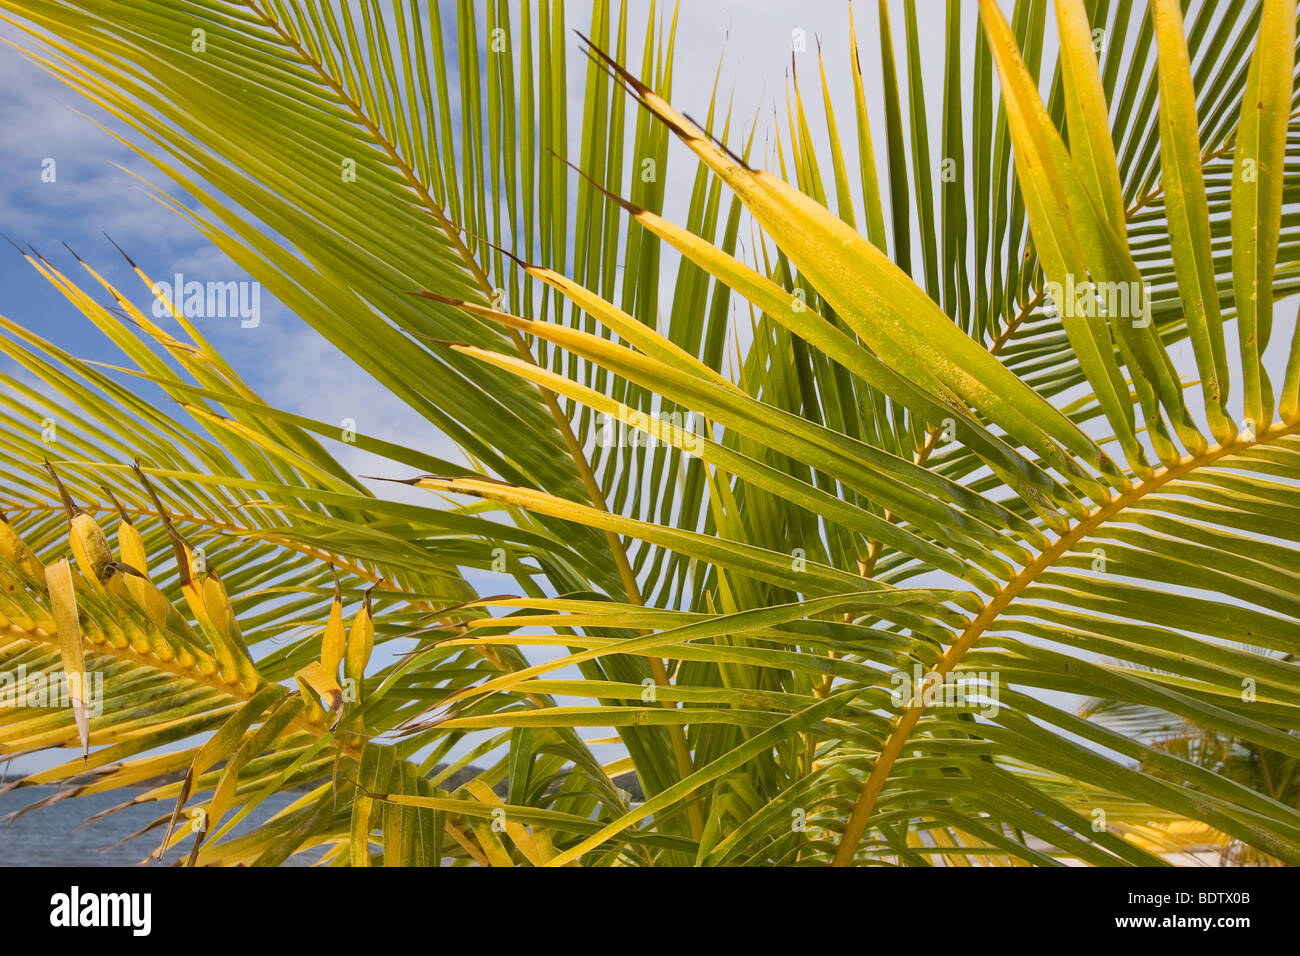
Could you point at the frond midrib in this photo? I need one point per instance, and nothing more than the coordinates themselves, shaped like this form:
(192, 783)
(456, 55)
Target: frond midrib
(978, 625)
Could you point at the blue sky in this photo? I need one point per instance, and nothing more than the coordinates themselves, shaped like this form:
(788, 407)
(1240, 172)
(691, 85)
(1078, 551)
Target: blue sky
(41, 119)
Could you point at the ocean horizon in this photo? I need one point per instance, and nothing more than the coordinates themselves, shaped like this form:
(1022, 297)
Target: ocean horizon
(58, 835)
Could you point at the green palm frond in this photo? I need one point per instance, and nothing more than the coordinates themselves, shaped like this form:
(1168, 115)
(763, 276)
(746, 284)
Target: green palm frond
(912, 410)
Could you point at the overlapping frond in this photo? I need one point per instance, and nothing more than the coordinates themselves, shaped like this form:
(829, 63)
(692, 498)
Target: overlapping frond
(837, 604)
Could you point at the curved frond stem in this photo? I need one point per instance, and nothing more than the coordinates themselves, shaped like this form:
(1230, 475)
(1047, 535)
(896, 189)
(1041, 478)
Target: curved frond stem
(907, 721)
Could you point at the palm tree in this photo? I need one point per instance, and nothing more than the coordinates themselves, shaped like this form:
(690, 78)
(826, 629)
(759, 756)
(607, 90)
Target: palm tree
(1261, 769)
(870, 447)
